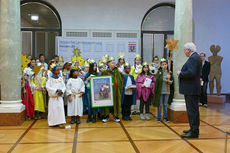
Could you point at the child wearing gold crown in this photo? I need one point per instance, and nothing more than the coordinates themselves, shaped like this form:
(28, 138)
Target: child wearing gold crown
(145, 90)
(56, 88)
(117, 91)
(92, 72)
(129, 93)
(121, 62)
(163, 90)
(38, 88)
(75, 88)
(135, 71)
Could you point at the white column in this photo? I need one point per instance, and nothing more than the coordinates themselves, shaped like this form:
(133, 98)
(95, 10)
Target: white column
(10, 57)
(183, 31)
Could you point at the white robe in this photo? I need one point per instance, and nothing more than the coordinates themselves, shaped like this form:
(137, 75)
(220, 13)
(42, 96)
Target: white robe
(56, 113)
(73, 88)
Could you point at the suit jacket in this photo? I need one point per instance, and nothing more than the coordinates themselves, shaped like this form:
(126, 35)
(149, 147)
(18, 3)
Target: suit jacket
(189, 78)
(205, 71)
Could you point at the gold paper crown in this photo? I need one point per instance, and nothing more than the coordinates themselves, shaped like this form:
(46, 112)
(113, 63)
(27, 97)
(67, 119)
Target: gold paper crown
(111, 59)
(127, 65)
(101, 65)
(121, 55)
(106, 56)
(52, 66)
(74, 68)
(145, 64)
(92, 61)
(104, 59)
(163, 60)
(137, 56)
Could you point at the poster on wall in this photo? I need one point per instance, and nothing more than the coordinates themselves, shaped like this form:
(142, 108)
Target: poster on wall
(95, 48)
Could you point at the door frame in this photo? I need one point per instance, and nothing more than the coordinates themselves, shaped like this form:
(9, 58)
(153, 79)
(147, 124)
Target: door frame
(165, 33)
(34, 30)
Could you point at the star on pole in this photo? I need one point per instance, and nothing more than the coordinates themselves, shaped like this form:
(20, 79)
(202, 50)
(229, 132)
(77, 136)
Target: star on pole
(171, 44)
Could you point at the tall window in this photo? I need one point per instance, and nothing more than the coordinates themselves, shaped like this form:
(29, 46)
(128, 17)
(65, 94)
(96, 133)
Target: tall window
(40, 24)
(157, 26)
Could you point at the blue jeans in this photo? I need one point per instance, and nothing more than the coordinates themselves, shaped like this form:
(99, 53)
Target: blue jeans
(163, 101)
(90, 109)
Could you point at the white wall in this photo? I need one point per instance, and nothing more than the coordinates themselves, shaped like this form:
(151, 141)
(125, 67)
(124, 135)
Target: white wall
(212, 26)
(103, 14)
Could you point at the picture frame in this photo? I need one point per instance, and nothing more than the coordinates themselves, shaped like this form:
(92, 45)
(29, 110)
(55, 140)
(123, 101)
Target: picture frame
(101, 90)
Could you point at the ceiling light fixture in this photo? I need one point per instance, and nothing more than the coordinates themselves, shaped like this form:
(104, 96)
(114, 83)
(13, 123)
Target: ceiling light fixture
(34, 17)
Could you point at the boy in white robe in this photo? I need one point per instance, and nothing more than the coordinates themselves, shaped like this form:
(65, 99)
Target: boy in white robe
(56, 88)
(75, 88)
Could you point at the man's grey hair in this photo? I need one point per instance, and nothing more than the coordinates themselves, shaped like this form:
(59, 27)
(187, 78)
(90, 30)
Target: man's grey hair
(191, 46)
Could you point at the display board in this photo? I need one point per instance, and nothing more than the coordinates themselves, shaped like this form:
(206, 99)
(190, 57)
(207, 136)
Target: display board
(95, 48)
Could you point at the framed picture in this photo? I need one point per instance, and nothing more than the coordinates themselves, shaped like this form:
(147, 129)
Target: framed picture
(101, 91)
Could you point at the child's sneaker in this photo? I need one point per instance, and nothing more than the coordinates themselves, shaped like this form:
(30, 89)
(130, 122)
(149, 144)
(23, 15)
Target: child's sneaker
(147, 117)
(104, 120)
(116, 119)
(166, 120)
(142, 117)
(205, 105)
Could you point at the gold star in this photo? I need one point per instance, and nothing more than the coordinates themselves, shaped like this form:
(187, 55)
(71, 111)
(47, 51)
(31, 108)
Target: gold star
(36, 69)
(172, 44)
(24, 62)
(77, 52)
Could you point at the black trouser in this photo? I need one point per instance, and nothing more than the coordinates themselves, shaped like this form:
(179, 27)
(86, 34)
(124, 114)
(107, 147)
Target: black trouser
(203, 97)
(146, 104)
(193, 112)
(126, 106)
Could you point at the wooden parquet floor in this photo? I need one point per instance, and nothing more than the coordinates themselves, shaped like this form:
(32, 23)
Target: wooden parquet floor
(135, 136)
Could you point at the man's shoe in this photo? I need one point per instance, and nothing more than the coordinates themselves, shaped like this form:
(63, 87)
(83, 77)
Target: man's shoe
(205, 105)
(158, 120)
(186, 131)
(89, 119)
(190, 135)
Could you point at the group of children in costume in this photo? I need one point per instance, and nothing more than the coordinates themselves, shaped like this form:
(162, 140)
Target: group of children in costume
(135, 88)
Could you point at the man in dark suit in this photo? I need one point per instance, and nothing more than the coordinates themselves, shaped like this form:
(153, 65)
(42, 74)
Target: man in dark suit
(204, 80)
(189, 86)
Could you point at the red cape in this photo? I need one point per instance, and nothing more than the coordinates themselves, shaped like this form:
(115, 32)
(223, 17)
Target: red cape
(28, 101)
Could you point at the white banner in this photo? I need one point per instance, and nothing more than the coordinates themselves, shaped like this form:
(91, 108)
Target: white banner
(95, 48)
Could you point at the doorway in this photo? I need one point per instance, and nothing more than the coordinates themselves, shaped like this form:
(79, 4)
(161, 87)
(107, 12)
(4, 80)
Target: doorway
(40, 24)
(157, 26)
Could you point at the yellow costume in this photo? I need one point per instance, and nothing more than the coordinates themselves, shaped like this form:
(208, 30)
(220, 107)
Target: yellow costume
(39, 103)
